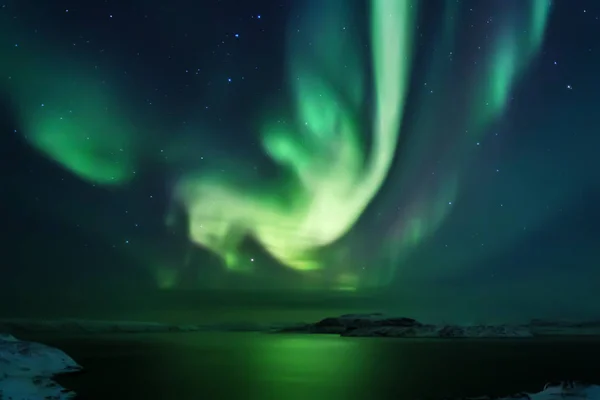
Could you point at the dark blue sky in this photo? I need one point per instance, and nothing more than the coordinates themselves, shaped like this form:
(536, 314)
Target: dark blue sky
(525, 220)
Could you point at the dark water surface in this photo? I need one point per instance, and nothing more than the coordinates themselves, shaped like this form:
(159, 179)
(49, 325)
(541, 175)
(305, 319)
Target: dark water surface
(252, 366)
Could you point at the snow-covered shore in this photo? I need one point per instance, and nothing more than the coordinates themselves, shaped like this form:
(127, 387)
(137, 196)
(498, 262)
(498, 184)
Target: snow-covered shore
(566, 390)
(27, 369)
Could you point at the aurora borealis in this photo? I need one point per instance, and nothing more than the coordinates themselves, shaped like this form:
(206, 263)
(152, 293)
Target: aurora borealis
(332, 178)
(331, 145)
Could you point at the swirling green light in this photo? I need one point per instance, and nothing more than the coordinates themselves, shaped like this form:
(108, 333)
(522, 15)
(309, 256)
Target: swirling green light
(71, 116)
(334, 178)
(337, 150)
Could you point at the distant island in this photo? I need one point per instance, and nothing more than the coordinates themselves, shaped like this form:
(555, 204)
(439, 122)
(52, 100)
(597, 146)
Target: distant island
(381, 325)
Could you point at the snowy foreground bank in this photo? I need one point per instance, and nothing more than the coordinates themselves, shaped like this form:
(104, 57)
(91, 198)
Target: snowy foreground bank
(27, 368)
(563, 391)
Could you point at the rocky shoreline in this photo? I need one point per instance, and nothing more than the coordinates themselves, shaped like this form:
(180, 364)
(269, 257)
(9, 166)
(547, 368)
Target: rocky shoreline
(564, 390)
(380, 325)
(27, 370)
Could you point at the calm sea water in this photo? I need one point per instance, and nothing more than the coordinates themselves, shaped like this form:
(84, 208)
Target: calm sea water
(287, 367)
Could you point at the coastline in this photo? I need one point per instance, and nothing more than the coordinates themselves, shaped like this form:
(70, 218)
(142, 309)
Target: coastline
(254, 365)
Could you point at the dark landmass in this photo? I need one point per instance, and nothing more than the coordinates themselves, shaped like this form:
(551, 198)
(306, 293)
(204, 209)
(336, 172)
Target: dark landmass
(380, 325)
(353, 325)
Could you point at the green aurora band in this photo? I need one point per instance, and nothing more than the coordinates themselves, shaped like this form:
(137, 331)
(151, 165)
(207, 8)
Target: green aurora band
(72, 118)
(334, 169)
(333, 179)
(482, 97)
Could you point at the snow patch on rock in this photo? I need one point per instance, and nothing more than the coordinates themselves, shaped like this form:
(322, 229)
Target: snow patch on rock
(565, 390)
(27, 368)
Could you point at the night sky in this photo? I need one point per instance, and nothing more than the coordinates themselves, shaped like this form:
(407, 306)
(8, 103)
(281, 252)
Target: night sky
(329, 145)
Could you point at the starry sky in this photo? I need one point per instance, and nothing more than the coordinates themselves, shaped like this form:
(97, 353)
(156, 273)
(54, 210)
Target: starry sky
(335, 145)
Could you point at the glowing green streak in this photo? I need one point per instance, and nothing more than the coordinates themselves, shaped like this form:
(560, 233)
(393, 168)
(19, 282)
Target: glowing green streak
(392, 47)
(539, 21)
(74, 118)
(513, 49)
(510, 58)
(503, 71)
(67, 111)
(88, 136)
(334, 180)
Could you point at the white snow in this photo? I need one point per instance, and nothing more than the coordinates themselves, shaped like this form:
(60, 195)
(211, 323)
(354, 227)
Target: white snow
(563, 391)
(567, 391)
(27, 368)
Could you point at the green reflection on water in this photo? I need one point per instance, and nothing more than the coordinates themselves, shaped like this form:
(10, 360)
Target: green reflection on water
(304, 363)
